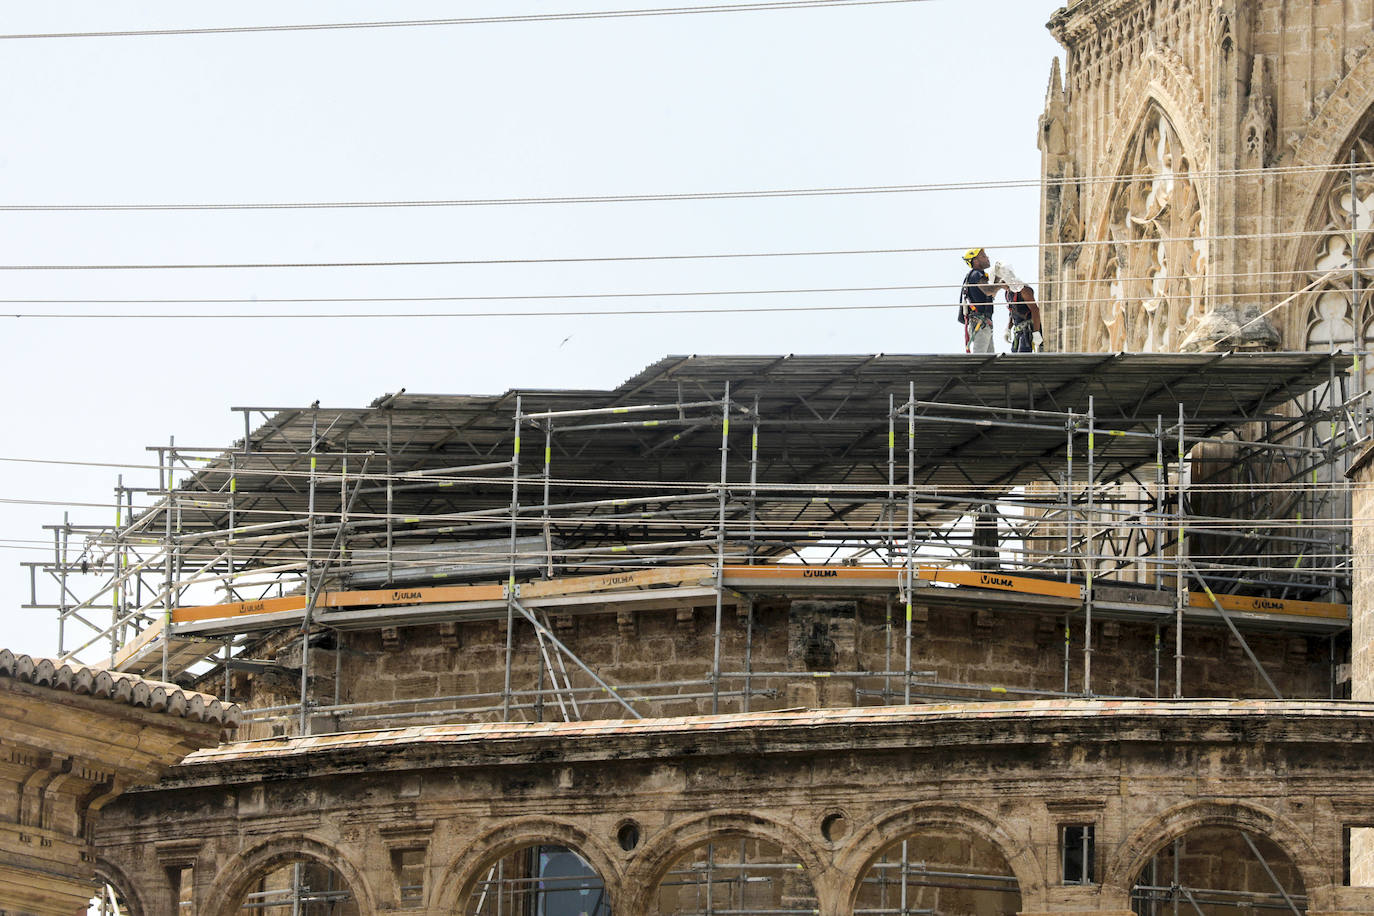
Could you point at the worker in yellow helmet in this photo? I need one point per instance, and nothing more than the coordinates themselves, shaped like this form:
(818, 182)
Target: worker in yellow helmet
(975, 302)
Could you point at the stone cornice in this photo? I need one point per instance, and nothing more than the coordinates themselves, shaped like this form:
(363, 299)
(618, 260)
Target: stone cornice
(867, 729)
(1081, 18)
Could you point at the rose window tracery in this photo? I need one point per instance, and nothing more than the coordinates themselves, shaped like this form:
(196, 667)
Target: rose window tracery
(1156, 256)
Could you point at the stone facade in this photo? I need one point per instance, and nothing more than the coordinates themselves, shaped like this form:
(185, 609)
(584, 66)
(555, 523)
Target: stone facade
(416, 820)
(1192, 197)
(71, 740)
(802, 652)
(408, 820)
(1362, 628)
(1362, 552)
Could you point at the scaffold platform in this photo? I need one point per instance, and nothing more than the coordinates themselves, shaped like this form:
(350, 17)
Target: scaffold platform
(1078, 484)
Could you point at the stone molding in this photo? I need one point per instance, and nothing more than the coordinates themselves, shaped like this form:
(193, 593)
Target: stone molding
(1082, 19)
(1092, 721)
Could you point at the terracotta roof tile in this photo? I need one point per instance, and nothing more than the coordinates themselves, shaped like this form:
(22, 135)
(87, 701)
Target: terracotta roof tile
(119, 687)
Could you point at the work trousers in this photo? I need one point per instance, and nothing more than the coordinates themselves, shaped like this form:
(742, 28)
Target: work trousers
(980, 338)
(1021, 340)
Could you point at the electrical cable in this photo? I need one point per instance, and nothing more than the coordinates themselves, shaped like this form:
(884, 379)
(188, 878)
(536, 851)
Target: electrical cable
(440, 481)
(720, 256)
(770, 5)
(581, 313)
(656, 197)
(1069, 282)
(1337, 273)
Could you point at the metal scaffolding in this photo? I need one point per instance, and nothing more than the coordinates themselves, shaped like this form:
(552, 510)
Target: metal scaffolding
(1163, 488)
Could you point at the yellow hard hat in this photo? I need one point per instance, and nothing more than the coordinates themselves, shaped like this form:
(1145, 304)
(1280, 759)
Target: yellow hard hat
(971, 254)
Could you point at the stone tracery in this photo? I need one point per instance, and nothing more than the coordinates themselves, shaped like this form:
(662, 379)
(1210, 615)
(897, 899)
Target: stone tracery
(1332, 313)
(1154, 264)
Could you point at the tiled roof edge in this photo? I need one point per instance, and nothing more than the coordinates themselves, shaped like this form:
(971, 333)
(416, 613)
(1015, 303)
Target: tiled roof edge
(155, 696)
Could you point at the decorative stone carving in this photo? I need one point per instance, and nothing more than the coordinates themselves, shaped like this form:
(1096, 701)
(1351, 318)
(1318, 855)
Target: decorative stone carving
(1257, 131)
(1264, 99)
(1152, 270)
(1334, 317)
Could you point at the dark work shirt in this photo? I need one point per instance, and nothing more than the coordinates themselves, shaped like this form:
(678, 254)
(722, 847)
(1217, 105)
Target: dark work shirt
(979, 302)
(1016, 304)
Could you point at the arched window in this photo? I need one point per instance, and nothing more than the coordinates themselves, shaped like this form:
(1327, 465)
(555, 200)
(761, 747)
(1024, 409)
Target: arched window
(1154, 256)
(942, 872)
(737, 875)
(541, 880)
(1334, 312)
(300, 887)
(1214, 870)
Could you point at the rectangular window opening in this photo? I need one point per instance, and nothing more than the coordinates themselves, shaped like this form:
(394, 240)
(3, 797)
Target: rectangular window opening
(409, 867)
(1077, 854)
(182, 881)
(1358, 855)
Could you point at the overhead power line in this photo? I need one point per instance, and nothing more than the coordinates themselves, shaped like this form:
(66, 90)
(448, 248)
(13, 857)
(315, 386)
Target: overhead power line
(508, 201)
(719, 256)
(982, 185)
(215, 464)
(495, 298)
(1274, 275)
(468, 20)
(470, 262)
(590, 313)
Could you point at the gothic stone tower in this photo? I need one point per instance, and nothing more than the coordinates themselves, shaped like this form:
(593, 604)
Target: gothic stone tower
(1197, 191)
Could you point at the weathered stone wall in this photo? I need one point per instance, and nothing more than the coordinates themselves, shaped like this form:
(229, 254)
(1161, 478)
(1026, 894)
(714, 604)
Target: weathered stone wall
(1362, 606)
(803, 653)
(72, 738)
(994, 782)
(1362, 636)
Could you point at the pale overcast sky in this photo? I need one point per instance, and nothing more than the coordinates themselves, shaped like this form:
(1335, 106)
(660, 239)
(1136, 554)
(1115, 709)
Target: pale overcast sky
(896, 94)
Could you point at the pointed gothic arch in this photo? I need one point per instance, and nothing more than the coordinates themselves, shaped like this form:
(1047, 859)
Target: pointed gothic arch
(1150, 263)
(1330, 313)
(1331, 130)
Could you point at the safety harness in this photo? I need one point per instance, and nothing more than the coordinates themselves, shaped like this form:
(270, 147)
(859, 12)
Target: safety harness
(970, 316)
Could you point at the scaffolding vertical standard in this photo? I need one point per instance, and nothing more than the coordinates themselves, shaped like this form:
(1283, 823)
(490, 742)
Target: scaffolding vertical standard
(720, 547)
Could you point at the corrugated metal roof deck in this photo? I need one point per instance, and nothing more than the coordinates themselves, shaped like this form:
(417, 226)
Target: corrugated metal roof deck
(823, 421)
